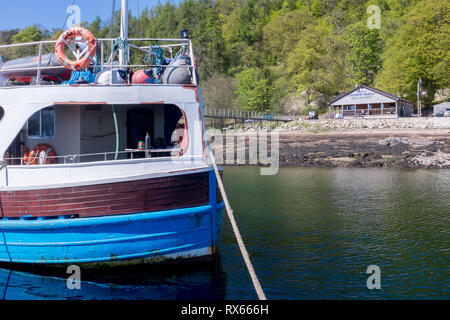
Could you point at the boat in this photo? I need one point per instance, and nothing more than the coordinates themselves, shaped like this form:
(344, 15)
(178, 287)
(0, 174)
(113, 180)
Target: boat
(110, 167)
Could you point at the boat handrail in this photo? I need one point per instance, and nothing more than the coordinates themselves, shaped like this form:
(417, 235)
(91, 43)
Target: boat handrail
(107, 67)
(110, 63)
(183, 42)
(70, 158)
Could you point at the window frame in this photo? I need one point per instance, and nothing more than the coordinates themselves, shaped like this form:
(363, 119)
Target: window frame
(41, 131)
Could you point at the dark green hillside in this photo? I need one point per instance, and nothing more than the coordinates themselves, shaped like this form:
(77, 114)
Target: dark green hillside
(293, 56)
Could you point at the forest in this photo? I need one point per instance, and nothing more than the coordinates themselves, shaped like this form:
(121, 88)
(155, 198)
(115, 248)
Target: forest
(294, 56)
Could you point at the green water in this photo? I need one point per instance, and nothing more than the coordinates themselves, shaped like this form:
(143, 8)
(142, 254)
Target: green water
(312, 233)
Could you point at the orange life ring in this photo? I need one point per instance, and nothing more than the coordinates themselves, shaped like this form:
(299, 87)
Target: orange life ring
(41, 154)
(86, 58)
(182, 137)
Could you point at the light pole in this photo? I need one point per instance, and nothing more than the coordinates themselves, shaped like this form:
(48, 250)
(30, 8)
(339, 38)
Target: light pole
(419, 97)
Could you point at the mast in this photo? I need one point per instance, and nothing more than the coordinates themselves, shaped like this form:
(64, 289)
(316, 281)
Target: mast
(112, 18)
(124, 32)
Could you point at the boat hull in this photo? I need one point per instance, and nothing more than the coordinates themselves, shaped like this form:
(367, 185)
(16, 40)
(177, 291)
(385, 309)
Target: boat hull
(152, 237)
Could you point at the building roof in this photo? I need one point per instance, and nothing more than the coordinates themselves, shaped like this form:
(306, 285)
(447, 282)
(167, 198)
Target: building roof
(378, 91)
(442, 105)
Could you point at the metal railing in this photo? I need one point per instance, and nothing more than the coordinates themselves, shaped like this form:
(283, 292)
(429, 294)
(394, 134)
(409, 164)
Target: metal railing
(243, 114)
(72, 158)
(110, 63)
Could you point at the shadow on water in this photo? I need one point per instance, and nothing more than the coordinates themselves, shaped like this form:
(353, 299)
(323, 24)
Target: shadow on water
(200, 280)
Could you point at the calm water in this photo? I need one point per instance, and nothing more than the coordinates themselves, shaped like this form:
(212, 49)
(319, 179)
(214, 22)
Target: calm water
(311, 234)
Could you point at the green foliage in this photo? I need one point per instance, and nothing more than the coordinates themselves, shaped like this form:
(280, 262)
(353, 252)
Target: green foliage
(317, 8)
(365, 48)
(292, 55)
(283, 32)
(316, 64)
(29, 34)
(419, 48)
(219, 92)
(254, 90)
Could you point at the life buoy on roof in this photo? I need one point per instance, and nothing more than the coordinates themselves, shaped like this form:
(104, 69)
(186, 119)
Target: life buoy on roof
(83, 58)
(41, 154)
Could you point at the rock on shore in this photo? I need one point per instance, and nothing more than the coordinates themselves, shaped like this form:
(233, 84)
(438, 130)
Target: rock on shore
(400, 143)
(366, 124)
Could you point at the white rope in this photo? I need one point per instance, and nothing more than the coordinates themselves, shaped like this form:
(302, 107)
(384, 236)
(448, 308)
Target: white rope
(241, 244)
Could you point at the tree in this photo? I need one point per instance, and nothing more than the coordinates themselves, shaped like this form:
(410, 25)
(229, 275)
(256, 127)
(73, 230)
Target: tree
(316, 66)
(29, 34)
(254, 90)
(317, 8)
(365, 48)
(219, 92)
(5, 36)
(419, 49)
(290, 54)
(210, 45)
(282, 33)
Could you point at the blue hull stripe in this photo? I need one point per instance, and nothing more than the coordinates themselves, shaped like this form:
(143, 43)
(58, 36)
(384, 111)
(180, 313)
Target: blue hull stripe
(100, 221)
(110, 238)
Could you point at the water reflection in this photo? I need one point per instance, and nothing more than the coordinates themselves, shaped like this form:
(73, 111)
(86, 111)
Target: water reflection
(196, 281)
(312, 232)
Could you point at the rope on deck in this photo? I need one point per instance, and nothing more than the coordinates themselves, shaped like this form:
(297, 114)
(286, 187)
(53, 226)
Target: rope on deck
(241, 244)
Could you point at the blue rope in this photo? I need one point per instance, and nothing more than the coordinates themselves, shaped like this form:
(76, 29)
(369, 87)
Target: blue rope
(155, 56)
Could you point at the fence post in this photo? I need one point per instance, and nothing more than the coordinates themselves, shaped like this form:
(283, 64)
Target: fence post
(38, 76)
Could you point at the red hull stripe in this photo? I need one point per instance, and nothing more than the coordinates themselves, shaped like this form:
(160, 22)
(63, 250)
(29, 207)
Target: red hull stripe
(149, 195)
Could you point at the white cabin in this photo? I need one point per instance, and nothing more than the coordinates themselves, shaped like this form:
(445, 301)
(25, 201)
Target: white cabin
(95, 129)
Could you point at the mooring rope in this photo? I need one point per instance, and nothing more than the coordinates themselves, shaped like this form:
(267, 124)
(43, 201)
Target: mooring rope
(237, 234)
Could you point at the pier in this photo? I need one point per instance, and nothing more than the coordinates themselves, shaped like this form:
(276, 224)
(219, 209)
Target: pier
(256, 119)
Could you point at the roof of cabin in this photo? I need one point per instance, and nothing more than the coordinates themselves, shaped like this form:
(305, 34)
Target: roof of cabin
(361, 86)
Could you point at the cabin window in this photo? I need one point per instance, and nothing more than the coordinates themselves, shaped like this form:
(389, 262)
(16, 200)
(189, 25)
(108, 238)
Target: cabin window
(2, 113)
(42, 124)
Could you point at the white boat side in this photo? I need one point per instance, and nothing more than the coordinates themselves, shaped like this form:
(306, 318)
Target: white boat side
(20, 103)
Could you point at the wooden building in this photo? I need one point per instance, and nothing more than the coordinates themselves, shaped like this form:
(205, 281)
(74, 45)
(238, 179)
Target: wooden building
(367, 102)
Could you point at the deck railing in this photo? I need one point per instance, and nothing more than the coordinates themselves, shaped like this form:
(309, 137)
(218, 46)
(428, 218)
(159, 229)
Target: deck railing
(76, 158)
(110, 62)
(369, 112)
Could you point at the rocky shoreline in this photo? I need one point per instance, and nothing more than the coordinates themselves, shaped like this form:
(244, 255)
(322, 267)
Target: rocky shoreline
(398, 150)
(368, 147)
